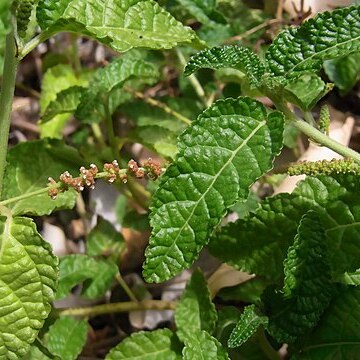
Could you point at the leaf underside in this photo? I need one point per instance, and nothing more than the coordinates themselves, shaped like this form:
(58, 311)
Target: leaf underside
(220, 155)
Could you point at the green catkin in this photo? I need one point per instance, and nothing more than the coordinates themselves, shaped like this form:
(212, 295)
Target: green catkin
(325, 167)
(324, 120)
(23, 10)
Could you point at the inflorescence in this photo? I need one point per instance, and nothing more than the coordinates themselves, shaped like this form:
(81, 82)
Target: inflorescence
(325, 167)
(111, 172)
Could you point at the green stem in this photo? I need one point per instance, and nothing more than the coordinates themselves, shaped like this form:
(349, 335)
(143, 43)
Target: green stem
(119, 307)
(268, 350)
(126, 288)
(33, 43)
(6, 98)
(193, 79)
(309, 118)
(316, 135)
(110, 129)
(24, 196)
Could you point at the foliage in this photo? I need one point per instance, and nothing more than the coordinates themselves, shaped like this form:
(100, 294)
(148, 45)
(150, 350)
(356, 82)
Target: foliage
(301, 247)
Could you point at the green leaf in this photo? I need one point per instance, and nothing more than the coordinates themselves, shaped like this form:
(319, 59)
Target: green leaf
(97, 275)
(337, 335)
(305, 91)
(55, 80)
(5, 18)
(201, 345)
(195, 311)
(66, 337)
(326, 36)
(307, 287)
(29, 166)
(344, 71)
(232, 56)
(249, 322)
(66, 102)
(259, 243)
(120, 25)
(221, 154)
(160, 344)
(28, 272)
(103, 96)
(23, 15)
(105, 240)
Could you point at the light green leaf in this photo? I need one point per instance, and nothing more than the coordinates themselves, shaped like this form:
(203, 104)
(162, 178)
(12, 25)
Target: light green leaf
(232, 56)
(66, 102)
(326, 36)
(5, 15)
(29, 166)
(66, 337)
(55, 80)
(120, 25)
(221, 154)
(97, 275)
(307, 287)
(344, 71)
(305, 91)
(201, 345)
(160, 344)
(259, 243)
(248, 324)
(337, 336)
(195, 311)
(105, 240)
(28, 272)
(103, 96)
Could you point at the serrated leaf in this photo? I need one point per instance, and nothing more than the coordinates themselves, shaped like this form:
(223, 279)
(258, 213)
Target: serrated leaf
(344, 71)
(307, 287)
(66, 102)
(66, 337)
(305, 91)
(28, 273)
(214, 168)
(247, 325)
(103, 96)
(195, 311)
(337, 335)
(159, 344)
(232, 56)
(326, 36)
(259, 243)
(97, 275)
(201, 345)
(105, 240)
(24, 175)
(120, 25)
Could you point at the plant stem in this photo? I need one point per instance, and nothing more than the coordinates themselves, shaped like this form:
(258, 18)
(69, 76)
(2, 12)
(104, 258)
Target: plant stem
(33, 43)
(25, 196)
(268, 350)
(160, 105)
(110, 129)
(119, 307)
(6, 98)
(193, 79)
(126, 288)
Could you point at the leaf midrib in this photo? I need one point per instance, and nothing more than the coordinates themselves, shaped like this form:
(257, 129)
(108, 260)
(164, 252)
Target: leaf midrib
(254, 131)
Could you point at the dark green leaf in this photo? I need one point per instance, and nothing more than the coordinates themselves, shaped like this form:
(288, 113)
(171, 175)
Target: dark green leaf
(214, 168)
(105, 240)
(237, 57)
(344, 71)
(29, 166)
(307, 287)
(160, 344)
(120, 25)
(247, 325)
(195, 310)
(97, 274)
(337, 335)
(66, 337)
(28, 272)
(328, 35)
